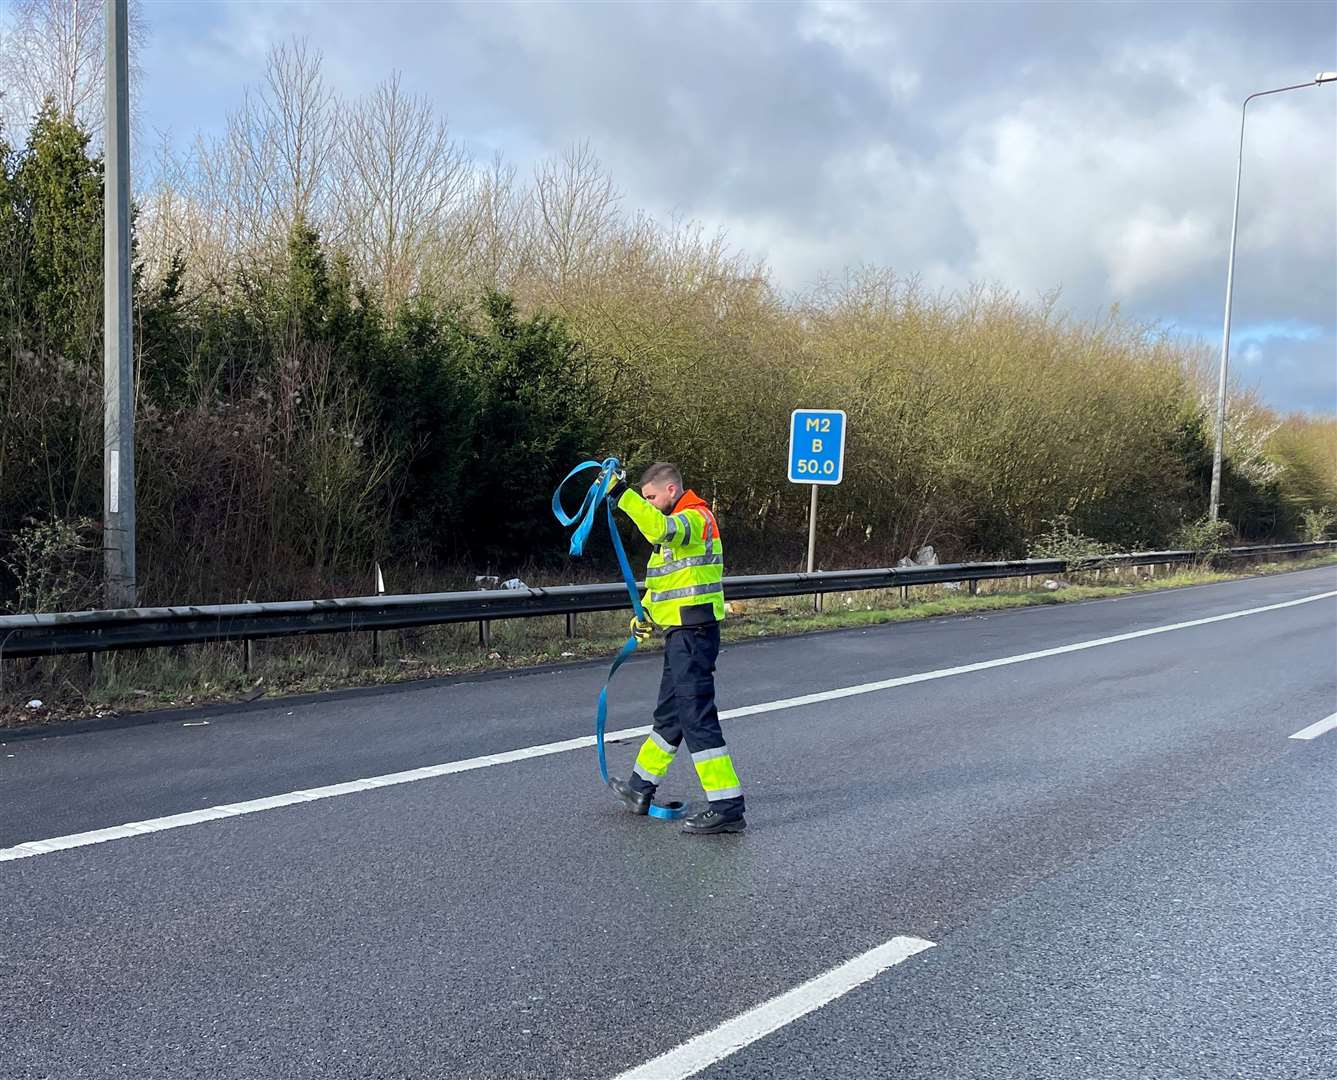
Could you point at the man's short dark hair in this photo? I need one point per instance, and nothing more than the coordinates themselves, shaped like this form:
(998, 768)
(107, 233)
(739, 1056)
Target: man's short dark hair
(661, 472)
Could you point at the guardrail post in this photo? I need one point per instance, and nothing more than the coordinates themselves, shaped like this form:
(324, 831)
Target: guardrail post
(247, 658)
(905, 594)
(485, 582)
(570, 624)
(974, 587)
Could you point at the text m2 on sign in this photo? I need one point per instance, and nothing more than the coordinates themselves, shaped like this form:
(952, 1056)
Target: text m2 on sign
(816, 446)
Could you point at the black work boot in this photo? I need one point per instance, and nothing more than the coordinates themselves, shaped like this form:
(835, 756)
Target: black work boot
(710, 821)
(635, 800)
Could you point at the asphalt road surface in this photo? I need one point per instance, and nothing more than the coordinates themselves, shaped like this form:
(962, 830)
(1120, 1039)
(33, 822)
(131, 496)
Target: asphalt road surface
(1070, 842)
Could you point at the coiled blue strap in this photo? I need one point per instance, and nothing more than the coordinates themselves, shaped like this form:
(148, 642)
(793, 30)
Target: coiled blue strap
(583, 520)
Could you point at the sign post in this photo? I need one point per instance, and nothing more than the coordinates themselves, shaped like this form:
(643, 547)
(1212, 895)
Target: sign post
(816, 457)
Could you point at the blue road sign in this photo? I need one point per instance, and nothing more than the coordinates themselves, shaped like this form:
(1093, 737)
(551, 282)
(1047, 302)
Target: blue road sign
(816, 446)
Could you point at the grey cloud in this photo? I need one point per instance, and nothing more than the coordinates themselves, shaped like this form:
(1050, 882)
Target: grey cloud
(1088, 146)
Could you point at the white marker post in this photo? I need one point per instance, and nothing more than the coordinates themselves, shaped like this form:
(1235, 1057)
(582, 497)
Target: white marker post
(376, 655)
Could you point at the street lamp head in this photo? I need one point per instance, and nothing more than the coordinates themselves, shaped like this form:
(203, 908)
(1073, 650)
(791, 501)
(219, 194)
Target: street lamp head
(1326, 76)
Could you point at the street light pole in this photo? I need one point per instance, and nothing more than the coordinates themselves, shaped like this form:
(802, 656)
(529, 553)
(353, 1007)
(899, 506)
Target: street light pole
(1320, 78)
(118, 383)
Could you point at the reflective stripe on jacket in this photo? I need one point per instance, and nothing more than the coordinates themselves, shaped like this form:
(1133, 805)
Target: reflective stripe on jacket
(684, 578)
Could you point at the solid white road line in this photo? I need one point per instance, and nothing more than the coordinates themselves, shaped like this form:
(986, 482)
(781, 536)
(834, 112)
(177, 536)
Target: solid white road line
(1004, 661)
(291, 798)
(252, 806)
(1313, 731)
(730, 1037)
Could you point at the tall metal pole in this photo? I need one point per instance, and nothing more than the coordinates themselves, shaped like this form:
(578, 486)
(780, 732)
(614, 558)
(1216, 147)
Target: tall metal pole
(118, 386)
(1322, 77)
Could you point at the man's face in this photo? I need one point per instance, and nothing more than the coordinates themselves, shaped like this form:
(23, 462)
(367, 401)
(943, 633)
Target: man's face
(663, 497)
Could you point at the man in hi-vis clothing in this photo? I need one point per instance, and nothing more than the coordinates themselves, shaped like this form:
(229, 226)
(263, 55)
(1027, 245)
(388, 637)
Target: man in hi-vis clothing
(684, 595)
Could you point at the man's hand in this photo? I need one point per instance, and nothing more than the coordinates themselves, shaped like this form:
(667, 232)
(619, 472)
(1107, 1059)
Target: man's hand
(617, 484)
(641, 629)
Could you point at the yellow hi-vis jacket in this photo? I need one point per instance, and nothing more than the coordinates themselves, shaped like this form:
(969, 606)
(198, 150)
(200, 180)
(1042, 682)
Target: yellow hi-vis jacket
(685, 575)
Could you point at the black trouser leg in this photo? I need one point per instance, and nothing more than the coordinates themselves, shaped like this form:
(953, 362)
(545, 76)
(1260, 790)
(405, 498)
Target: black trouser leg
(657, 751)
(690, 653)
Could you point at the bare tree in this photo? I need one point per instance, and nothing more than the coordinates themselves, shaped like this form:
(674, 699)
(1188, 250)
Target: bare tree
(491, 223)
(57, 49)
(179, 217)
(272, 166)
(295, 113)
(401, 183)
(572, 209)
(229, 213)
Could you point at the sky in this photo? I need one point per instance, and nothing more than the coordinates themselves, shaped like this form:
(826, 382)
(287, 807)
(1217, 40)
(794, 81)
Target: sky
(1086, 147)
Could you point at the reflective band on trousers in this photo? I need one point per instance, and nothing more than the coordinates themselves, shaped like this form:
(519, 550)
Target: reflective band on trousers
(654, 758)
(689, 590)
(681, 564)
(716, 772)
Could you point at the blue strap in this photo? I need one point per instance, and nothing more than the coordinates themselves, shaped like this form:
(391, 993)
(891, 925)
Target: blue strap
(601, 715)
(583, 520)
